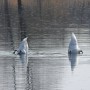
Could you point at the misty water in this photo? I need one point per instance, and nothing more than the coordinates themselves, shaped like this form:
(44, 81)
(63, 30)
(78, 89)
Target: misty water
(48, 66)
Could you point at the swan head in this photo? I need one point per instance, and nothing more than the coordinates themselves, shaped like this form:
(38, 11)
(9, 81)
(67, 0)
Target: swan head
(18, 52)
(15, 52)
(75, 52)
(80, 52)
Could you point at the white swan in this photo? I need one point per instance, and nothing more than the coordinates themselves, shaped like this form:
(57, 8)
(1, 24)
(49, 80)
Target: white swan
(23, 47)
(73, 45)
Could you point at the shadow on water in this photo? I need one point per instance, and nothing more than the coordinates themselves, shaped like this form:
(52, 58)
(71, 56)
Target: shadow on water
(73, 60)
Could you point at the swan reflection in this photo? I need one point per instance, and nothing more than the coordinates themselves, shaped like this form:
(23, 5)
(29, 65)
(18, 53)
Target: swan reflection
(24, 59)
(73, 60)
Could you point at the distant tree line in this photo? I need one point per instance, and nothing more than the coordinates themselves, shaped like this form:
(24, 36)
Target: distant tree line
(67, 11)
(64, 12)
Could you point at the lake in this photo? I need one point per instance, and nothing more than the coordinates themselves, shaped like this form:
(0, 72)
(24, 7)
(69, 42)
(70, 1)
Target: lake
(48, 66)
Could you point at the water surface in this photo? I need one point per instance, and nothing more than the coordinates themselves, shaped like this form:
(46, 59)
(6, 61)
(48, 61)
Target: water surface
(49, 67)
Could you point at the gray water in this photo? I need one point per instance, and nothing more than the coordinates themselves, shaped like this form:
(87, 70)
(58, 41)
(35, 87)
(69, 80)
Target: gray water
(48, 66)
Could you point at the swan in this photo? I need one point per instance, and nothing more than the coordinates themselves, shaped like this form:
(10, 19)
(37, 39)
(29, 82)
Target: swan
(73, 45)
(23, 47)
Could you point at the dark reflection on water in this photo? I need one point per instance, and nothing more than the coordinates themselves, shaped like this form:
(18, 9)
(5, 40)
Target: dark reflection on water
(22, 72)
(15, 75)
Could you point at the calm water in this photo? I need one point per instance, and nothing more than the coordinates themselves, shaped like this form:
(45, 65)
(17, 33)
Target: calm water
(48, 66)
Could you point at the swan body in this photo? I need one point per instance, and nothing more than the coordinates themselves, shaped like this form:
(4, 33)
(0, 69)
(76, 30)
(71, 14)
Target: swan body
(23, 47)
(73, 45)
